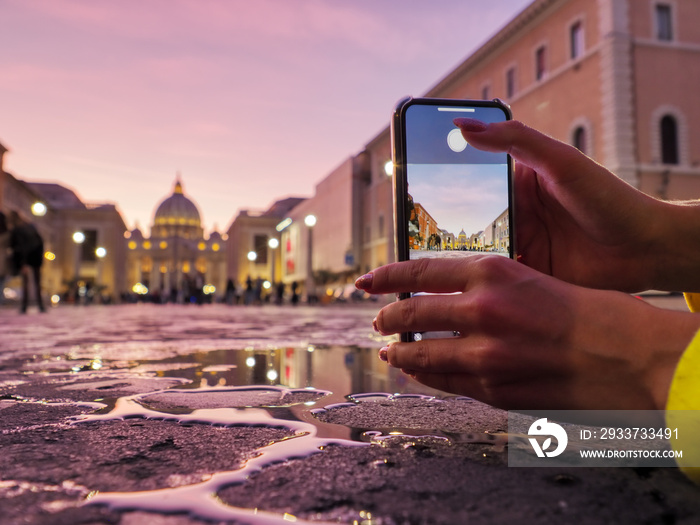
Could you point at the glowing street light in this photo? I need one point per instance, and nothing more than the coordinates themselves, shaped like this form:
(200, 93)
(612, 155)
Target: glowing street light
(39, 209)
(310, 220)
(78, 237)
(389, 168)
(100, 252)
(252, 256)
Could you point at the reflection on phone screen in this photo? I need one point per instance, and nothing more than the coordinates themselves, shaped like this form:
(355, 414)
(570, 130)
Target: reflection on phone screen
(457, 195)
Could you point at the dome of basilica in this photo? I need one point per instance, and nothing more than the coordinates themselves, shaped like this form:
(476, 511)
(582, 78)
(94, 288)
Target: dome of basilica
(177, 210)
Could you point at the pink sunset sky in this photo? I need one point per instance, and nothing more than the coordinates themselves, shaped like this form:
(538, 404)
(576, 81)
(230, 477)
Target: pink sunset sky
(250, 100)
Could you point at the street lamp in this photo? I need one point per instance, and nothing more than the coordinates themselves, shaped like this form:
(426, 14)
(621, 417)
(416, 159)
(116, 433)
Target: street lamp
(273, 243)
(78, 239)
(310, 221)
(252, 257)
(39, 209)
(100, 252)
(389, 168)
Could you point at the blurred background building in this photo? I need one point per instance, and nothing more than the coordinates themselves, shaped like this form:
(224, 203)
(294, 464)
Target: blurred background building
(614, 78)
(177, 262)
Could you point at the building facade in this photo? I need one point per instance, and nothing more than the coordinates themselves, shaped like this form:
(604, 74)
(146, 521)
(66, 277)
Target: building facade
(92, 269)
(176, 263)
(612, 77)
(254, 248)
(321, 242)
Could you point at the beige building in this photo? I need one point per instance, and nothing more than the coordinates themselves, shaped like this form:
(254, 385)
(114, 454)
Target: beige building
(177, 262)
(616, 78)
(377, 204)
(84, 246)
(329, 247)
(93, 268)
(254, 250)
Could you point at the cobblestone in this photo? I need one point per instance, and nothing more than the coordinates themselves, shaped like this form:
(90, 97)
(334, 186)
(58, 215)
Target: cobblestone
(182, 414)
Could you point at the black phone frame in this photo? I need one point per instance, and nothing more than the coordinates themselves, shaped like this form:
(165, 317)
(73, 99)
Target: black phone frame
(400, 193)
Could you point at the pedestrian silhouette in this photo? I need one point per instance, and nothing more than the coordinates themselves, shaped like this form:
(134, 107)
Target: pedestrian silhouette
(4, 254)
(231, 292)
(279, 298)
(27, 255)
(295, 294)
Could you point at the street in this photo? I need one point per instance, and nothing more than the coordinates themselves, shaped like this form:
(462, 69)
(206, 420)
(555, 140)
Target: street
(174, 414)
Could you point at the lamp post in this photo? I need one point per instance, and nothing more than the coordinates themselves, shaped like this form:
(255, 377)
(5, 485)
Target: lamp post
(273, 243)
(249, 292)
(100, 252)
(252, 257)
(78, 240)
(310, 221)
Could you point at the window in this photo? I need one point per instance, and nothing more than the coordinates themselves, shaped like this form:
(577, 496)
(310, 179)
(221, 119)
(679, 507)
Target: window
(580, 139)
(669, 140)
(576, 40)
(540, 66)
(664, 27)
(260, 249)
(510, 82)
(381, 226)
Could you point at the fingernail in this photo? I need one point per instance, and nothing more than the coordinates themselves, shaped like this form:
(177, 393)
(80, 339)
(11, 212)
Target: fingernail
(364, 282)
(469, 124)
(374, 324)
(384, 354)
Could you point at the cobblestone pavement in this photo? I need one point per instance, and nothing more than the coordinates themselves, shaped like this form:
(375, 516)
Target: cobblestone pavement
(183, 414)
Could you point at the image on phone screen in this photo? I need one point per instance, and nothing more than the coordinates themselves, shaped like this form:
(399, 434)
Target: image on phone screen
(457, 196)
(452, 199)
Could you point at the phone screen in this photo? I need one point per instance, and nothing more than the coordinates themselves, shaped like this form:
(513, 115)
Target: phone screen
(452, 200)
(457, 196)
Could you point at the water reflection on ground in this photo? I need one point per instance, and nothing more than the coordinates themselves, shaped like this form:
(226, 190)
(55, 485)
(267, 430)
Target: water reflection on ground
(261, 415)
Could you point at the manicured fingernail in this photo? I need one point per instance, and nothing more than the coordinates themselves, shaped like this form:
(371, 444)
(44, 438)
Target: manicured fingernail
(384, 354)
(364, 282)
(374, 325)
(469, 124)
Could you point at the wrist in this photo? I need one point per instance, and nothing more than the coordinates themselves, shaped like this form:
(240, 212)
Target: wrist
(635, 347)
(676, 257)
(672, 335)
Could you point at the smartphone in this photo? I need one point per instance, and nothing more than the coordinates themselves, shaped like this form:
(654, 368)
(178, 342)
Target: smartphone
(450, 199)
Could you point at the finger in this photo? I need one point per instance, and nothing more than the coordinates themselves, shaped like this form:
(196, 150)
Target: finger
(434, 356)
(524, 144)
(431, 275)
(425, 313)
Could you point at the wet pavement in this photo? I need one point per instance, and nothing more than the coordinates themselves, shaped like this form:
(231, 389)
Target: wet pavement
(187, 415)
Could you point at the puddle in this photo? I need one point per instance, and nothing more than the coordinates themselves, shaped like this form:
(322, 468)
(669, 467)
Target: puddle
(259, 406)
(302, 390)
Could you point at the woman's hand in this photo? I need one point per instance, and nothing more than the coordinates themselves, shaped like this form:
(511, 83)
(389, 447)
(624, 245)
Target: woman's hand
(528, 340)
(580, 223)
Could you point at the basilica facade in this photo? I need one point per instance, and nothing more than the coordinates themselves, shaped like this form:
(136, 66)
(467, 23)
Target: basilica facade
(176, 262)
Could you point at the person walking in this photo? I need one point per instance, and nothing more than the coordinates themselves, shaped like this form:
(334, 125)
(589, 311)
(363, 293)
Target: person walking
(4, 254)
(27, 248)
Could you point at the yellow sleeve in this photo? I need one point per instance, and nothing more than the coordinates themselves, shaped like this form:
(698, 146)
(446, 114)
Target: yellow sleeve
(693, 301)
(683, 402)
